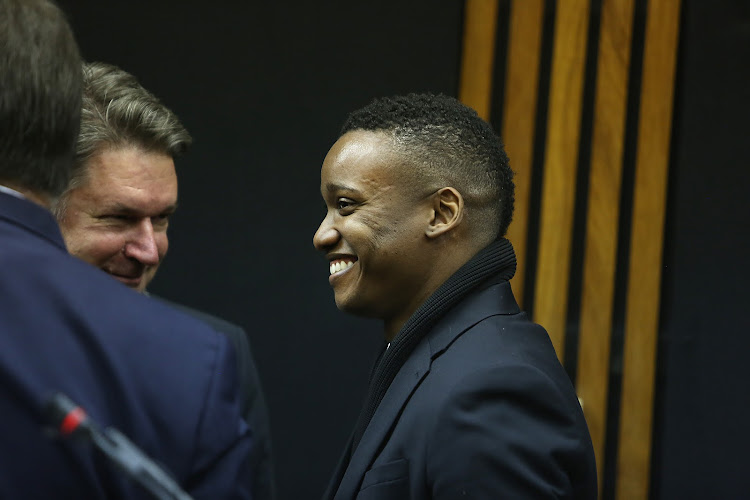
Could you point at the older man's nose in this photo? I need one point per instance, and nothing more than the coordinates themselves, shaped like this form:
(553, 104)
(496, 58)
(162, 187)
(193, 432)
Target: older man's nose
(142, 246)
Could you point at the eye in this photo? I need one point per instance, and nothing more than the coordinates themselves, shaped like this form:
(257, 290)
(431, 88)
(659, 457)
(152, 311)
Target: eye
(345, 206)
(116, 217)
(160, 220)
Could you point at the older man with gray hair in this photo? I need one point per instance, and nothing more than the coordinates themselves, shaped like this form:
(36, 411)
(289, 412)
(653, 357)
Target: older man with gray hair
(115, 212)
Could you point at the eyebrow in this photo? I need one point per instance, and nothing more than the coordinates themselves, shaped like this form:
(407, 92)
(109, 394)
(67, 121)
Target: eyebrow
(125, 210)
(330, 187)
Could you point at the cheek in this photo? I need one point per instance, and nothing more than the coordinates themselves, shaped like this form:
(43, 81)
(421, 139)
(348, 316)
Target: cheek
(376, 232)
(95, 247)
(394, 240)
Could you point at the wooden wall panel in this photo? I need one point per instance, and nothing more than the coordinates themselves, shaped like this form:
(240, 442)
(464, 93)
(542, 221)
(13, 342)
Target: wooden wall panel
(560, 165)
(600, 262)
(643, 294)
(478, 56)
(519, 117)
(561, 158)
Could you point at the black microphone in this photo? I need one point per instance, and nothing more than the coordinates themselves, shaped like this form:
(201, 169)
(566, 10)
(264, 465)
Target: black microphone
(69, 419)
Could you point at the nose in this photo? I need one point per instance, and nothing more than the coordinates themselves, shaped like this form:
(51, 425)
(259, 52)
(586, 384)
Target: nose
(326, 236)
(142, 245)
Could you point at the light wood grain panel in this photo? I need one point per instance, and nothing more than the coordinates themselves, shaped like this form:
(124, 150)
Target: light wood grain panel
(642, 309)
(600, 257)
(560, 163)
(519, 117)
(478, 56)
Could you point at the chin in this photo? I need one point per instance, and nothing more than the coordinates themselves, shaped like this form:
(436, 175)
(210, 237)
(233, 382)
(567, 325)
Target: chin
(345, 305)
(351, 306)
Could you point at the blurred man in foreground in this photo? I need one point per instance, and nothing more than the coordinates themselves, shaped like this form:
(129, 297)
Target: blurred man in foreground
(468, 400)
(68, 328)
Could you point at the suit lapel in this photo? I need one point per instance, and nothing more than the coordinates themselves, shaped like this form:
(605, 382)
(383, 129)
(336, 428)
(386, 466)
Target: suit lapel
(343, 462)
(407, 379)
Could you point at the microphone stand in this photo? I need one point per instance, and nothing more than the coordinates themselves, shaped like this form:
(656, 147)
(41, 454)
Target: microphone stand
(70, 420)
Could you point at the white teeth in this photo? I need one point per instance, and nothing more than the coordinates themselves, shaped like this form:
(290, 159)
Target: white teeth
(340, 265)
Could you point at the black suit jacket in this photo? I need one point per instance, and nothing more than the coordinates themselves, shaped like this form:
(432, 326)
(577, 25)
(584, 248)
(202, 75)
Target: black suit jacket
(252, 401)
(481, 409)
(68, 327)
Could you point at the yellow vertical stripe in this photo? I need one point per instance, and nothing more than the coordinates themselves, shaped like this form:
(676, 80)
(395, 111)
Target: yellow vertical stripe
(600, 258)
(477, 60)
(561, 157)
(642, 309)
(519, 116)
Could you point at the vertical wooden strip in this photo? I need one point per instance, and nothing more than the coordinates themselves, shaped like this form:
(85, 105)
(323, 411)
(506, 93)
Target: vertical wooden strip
(642, 309)
(560, 162)
(519, 116)
(475, 86)
(600, 258)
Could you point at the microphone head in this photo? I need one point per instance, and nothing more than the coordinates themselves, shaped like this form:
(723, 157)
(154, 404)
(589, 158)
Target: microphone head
(66, 416)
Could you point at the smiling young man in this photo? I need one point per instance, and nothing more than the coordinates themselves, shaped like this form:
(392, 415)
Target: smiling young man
(469, 399)
(114, 214)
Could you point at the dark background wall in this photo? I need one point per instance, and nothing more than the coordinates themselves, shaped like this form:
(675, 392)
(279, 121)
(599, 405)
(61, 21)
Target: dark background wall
(703, 383)
(264, 87)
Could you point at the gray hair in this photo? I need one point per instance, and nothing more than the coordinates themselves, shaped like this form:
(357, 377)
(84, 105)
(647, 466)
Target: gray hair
(117, 112)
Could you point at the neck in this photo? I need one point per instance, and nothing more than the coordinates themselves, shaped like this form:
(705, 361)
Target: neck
(452, 259)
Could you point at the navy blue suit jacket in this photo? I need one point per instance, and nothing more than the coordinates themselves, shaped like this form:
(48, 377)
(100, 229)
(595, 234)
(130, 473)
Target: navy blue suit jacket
(164, 379)
(252, 400)
(481, 409)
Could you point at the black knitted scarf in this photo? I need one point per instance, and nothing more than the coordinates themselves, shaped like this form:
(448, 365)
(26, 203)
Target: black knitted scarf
(497, 259)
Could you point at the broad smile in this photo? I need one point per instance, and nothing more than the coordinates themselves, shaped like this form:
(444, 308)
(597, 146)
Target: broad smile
(131, 280)
(341, 265)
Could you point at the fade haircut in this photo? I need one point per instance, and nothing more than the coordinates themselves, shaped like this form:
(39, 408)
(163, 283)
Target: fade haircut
(117, 112)
(445, 143)
(40, 96)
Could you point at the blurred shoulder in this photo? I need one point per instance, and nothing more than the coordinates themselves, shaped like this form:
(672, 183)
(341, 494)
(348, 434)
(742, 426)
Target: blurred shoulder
(218, 324)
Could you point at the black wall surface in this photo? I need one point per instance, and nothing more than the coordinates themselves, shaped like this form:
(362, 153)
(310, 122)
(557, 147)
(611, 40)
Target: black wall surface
(264, 87)
(703, 386)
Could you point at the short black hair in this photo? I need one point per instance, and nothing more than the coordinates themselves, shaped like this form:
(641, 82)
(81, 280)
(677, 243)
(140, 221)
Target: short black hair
(444, 140)
(40, 95)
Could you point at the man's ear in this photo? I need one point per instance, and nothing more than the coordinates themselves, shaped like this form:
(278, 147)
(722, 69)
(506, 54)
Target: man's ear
(447, 211)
